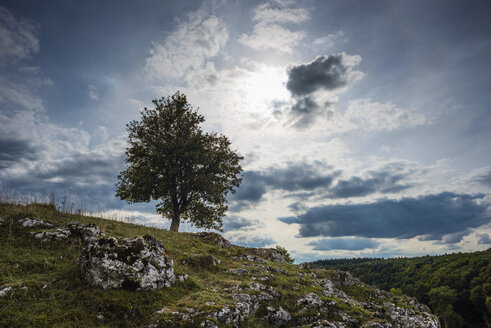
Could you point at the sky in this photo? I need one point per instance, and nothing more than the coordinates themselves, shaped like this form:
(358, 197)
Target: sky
(364, 125)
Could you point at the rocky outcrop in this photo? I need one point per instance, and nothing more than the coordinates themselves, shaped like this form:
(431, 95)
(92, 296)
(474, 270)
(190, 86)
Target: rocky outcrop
(86, 232)
(272, 254)
(31, 222)
(138, 263)
(212, 238)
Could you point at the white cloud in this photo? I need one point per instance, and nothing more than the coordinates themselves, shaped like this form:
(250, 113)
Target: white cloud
(269, 34)
(93, 92)
(17, 37)
(372, 115)
(330, 40)
(196, 39)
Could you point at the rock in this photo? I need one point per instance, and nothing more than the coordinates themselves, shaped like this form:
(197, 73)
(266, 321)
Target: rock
(233, 316)
(330, 290)
(312, 300)
(272, 254)
(182, 277)
(207, 323)
(4, 290)
(33, 222)
(2, 222)
(247, 257)
(202, 261)
(88, 233)
(238, 271)
(327, 324)
(58, 234)
(138, 263)
(278, 317)
(213, 238)
(303, 266)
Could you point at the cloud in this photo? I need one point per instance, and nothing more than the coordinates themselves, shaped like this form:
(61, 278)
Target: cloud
(436, 215)
(249, 240)
(483, 239)
(384, 180)
(17, 37)
(330, 40)
(93, 92)
(289, 178)
(323, 73)
(484, 179)
(351, 244)
(14, 150)
(268, 32)
(371, 115)
(196, 39)
(314, 86)
(231, 223)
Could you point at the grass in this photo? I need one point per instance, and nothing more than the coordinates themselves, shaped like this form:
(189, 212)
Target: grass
(49, 291)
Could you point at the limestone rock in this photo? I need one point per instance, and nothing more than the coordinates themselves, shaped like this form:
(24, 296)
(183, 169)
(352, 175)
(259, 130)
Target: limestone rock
(138, 263)
(312, 300)
(4, 290)
(2, 222)
(238, 271)
(58, 234)
(31, 222)
(86, 232)
(206, 262)
(213, 238)
(278, 317)
(272, 254)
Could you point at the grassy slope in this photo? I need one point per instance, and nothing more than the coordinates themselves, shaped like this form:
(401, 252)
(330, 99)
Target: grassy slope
(56, 296)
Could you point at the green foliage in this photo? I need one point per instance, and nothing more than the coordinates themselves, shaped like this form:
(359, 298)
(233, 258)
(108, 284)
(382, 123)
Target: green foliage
(171, 160)
(454, 286)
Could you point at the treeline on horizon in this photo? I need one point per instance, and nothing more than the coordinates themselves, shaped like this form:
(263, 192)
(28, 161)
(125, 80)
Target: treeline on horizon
(457, 287)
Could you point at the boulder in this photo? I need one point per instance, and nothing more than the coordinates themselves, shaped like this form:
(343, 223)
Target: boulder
(86, 232)
(138, 263)
(31, 222)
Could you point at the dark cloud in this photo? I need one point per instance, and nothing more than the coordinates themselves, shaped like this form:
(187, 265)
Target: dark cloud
(15, 150)
(328, 73)
(453, 238)
(484, 179)
(351, 244)
(483, 239)
(290, 178)
(325, 72)
(386, 180)
(436, 215)
(231, 223)
(86, 179)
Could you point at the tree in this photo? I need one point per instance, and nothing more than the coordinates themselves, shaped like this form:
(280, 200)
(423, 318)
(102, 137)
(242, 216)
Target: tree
(171, 160)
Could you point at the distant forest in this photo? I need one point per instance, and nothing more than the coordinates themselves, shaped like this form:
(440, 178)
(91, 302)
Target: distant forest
(457, 287)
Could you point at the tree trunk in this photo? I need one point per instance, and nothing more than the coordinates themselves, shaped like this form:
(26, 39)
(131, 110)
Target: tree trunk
(174, 226)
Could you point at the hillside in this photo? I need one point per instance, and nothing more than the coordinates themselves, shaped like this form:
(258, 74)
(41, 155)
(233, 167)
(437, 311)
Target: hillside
(450, 284)
(216, 284)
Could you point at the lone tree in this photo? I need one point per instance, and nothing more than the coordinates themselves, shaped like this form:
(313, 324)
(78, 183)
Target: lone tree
(170, 159)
